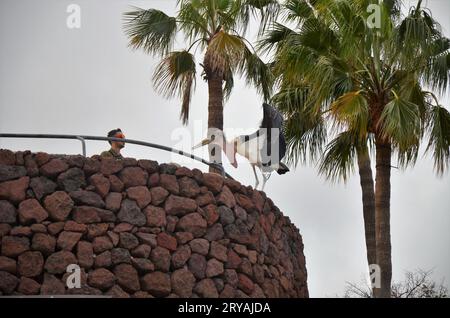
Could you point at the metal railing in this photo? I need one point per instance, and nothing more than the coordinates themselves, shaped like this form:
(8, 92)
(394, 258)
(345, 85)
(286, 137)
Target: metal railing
(83, 139)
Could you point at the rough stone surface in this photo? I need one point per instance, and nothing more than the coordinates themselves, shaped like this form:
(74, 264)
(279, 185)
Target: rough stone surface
(140, 229)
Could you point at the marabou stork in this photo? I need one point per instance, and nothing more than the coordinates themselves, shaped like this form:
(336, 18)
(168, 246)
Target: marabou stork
(263, 149)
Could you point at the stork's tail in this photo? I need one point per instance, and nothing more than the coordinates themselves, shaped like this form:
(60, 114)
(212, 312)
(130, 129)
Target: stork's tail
(282, 169)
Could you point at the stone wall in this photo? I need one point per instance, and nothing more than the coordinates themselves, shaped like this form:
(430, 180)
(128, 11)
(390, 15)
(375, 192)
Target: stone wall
(141, 229)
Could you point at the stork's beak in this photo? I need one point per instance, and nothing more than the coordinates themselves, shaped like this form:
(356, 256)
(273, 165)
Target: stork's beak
(204, 142)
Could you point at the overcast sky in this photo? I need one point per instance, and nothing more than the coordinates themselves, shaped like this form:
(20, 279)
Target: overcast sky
(87, 81)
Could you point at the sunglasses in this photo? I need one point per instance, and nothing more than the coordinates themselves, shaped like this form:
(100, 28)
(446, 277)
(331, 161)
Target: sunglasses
(120, 135)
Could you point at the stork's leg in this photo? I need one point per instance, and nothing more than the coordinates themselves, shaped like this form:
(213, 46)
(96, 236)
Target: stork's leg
(256, 177)
(266, 176)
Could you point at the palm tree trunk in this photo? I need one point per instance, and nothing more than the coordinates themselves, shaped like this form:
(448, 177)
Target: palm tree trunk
(215, 115)
(382, 216)
(368, 200)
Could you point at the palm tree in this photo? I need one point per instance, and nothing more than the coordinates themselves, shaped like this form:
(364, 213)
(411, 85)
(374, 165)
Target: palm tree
(369, 85)
(218, 28)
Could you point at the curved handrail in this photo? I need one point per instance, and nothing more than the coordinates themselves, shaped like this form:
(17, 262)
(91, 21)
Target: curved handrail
(83, 138)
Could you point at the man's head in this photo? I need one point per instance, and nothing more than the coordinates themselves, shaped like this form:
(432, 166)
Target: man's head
(116, 133)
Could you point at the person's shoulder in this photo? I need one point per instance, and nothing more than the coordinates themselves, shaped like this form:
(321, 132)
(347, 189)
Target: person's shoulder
(106, 153)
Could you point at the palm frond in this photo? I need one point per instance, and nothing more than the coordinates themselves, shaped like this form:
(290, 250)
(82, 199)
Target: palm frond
(352, 111)
(151, 30)
(338, 160)
(400, 123)
(439, 140)
(175, 75)
(225, 51)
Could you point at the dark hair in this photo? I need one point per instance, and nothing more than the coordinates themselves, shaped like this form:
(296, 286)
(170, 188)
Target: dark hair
(112, 133)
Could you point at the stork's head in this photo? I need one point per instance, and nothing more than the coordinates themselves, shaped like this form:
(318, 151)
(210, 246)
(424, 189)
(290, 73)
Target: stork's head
(229, 148)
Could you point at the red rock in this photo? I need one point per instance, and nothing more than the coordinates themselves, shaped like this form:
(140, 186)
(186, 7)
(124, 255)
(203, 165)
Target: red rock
(101, 184)
(184, 171)
(181, 256)
(113, 201)
(131, 213)
(7, 157)
(103, 260)
(158, 194)
(231, 277)
(8, 212)
(200, 246)
(197, 265)
(117, 292)
(8, 282)
(127, 277)
(68, 240)
(73, 226)
(53, 168)
(245, 284)
(31, 211)
(183, 237)
(245, 202)
(89, 198)
(206, 288)
(141, 195)
(57, 263)
(116, 184)
(213, 181)
(114, 237)
(226, 197)
(182, 283)
(58, 205)
(41, 158)
(211, 214)
(72, 179)
(38, 228)
(101, 278)
(188, 187)
(153, 180)
(147, 238)
(169, 182)
(97, 229)
(91, 166)
(8, 265)
(133, 176)
(214, 268)
(4, 229)
(21, 231)
(156, 216)
(110, 166)
(226, 215)
(30, 264)
(86, 214)
(42, 186)
(28, 286)
(227, 292)
(150, 166)
(11, 172)
(123, 227)
(128, 241)
(233, 260)
(55, 228)
(205, 199)
(215, 232)
(14, 191)
(52, 286)
(142, 251)
(176, 205)
(43, 243)
(160, 258)
(167, 241)
(218, 251)
(85, 254)
(101, 244)
(13, 246)
(120, 255)
(157, 283)
(193, 223)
